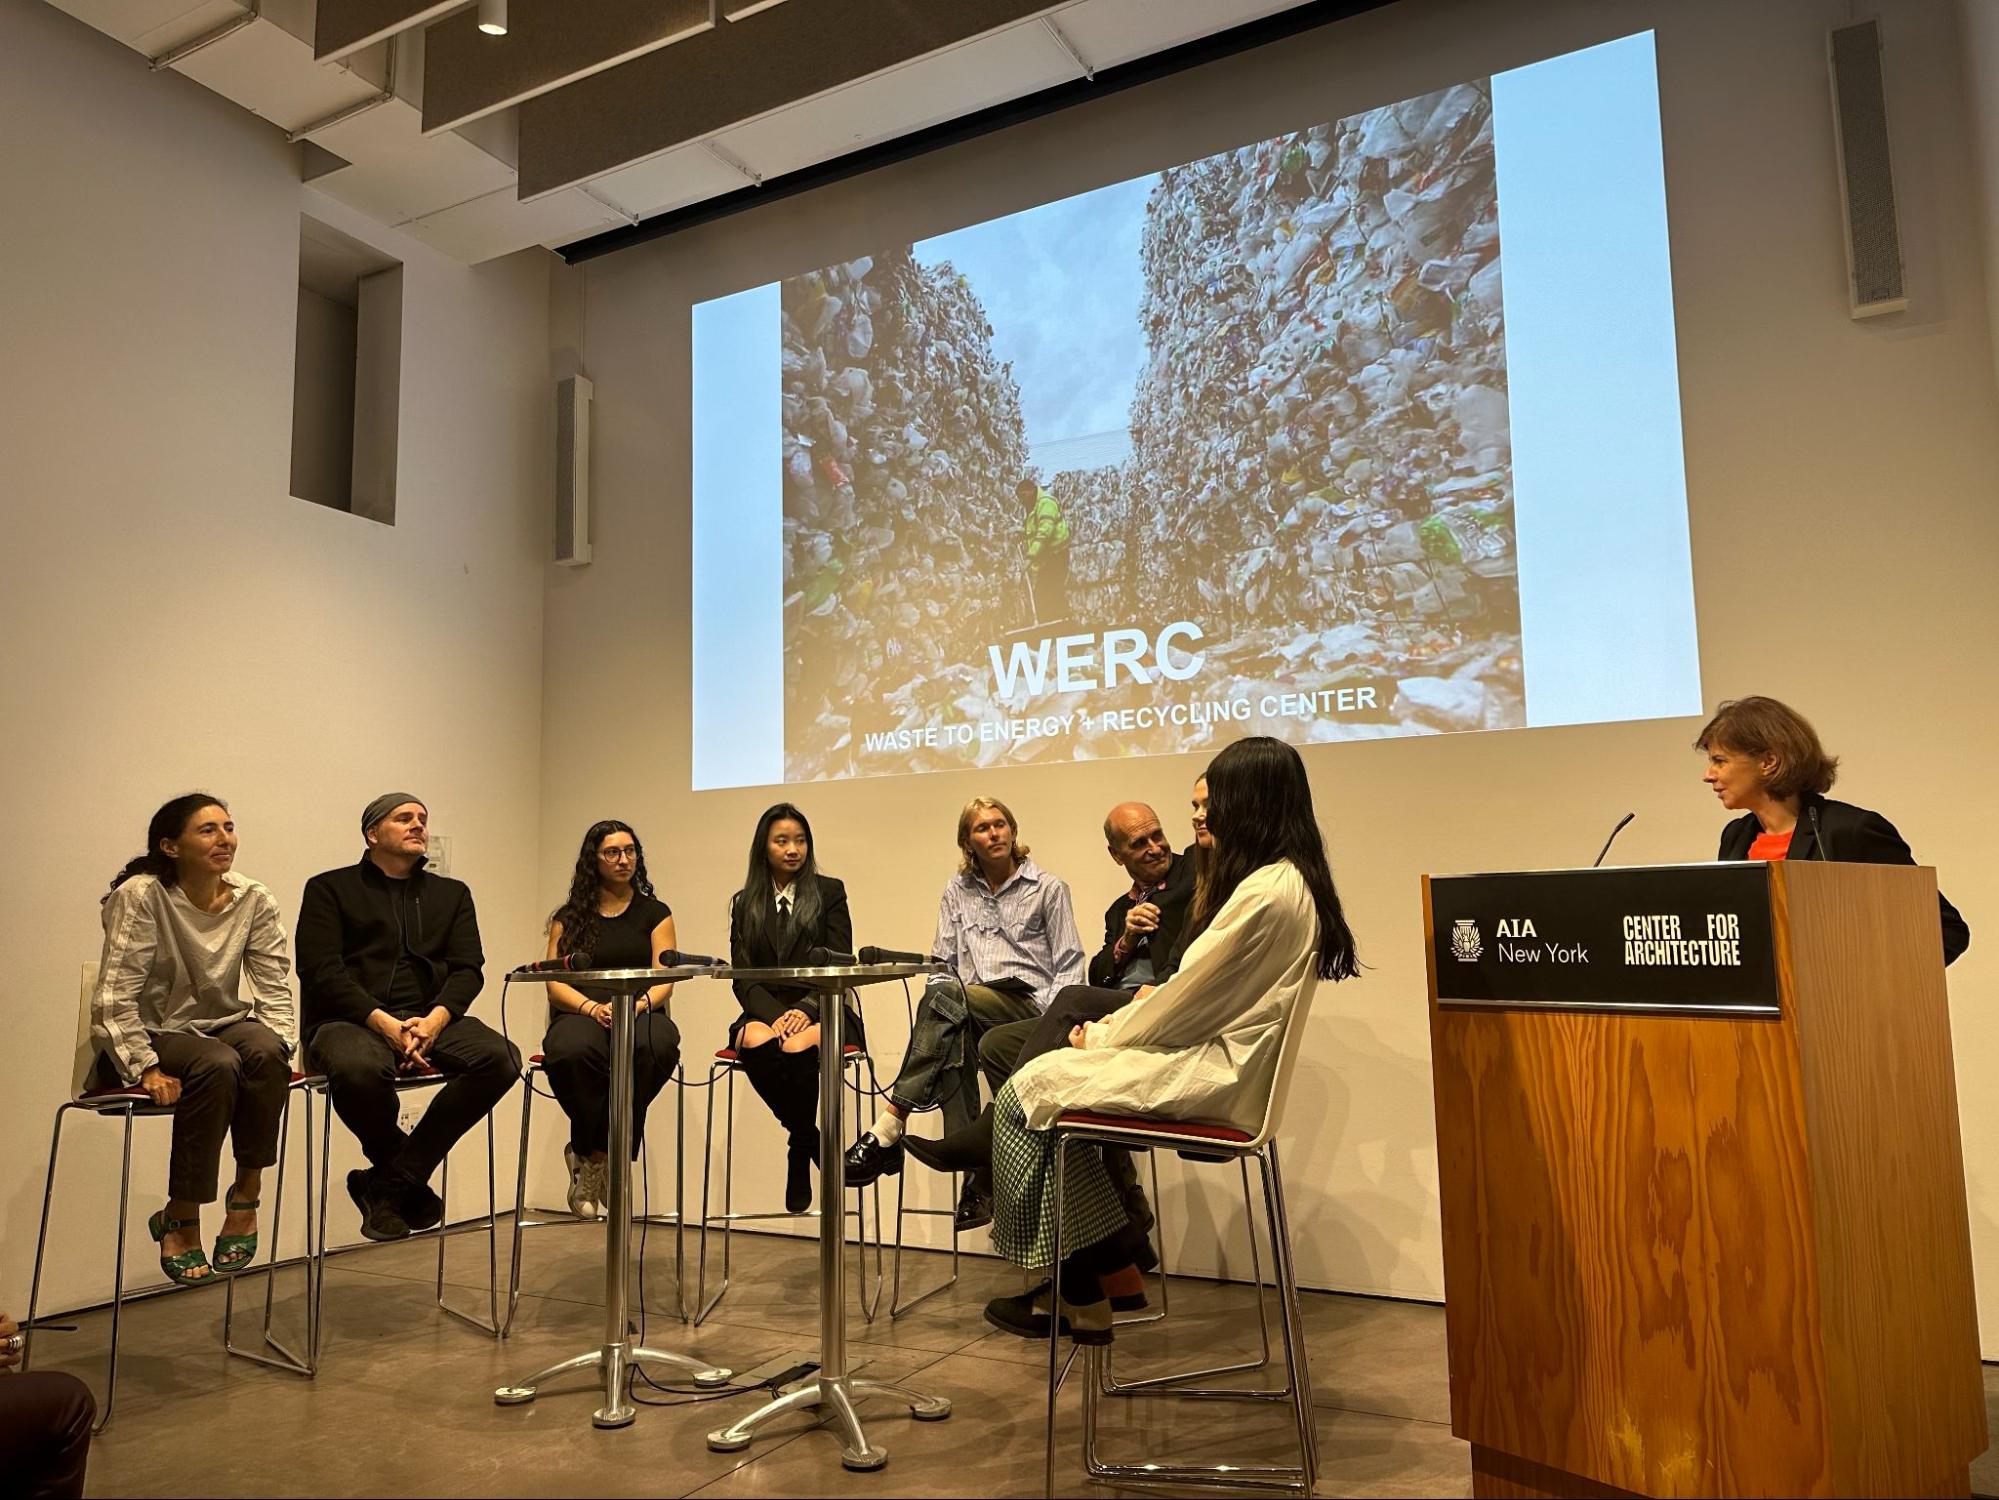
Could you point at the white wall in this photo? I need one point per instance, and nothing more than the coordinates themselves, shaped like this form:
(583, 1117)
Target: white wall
(173, 618)
(1843, 526)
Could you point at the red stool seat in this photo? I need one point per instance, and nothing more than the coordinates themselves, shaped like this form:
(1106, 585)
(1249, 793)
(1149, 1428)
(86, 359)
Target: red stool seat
(729, 1055)
(1176, 1134)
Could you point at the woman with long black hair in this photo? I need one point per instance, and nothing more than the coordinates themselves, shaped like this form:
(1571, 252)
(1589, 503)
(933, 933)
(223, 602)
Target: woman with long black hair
(613, 915)
(183, 932)
(1267, 927)
(785, 909)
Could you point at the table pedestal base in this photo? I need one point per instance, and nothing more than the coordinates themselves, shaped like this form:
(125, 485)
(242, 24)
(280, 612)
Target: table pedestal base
(835, 1399)
(616, 1362)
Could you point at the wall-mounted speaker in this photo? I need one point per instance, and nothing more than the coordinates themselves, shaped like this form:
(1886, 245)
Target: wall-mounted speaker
(572, 471)
(1866, 177)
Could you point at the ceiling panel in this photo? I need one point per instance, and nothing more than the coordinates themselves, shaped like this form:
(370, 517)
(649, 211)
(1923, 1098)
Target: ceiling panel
(131, 20)
(1106, 32)
(548, 43)
(499, 225)
(673, 179)
(270, 74)
(737, 72)
(398, 173)
(989, 71)
(343, 26)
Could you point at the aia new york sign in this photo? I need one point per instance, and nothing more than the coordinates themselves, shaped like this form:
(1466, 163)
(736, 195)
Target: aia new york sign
(1671, 938)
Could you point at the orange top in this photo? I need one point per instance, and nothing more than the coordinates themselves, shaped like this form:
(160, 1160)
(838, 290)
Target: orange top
(1771, 845)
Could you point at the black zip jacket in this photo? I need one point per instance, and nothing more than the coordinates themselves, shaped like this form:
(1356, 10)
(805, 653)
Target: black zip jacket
(351, 937)
(1848, 835)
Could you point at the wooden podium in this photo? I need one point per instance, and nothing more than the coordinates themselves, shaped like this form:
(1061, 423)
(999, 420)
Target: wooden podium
(1702, 1189)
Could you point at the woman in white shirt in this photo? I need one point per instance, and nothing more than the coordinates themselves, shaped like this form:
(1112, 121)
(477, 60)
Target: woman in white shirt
(182, 933)
(1266, 928)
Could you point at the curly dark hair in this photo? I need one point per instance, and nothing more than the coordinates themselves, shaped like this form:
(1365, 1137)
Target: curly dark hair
(170, 822)
(578, 913)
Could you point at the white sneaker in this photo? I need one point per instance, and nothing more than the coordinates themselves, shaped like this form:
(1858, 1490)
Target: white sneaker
(579, 1182)
(600, 1187)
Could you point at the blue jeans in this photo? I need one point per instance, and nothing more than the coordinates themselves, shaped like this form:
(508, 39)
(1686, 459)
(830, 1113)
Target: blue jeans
(942, 1063)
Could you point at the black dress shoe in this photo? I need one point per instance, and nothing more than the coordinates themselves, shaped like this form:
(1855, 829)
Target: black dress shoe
(420, 1207)
(798, 1179)
(974, 1210)
(868, 1159)
(969, 1149)
(381, 1219)
(1026, 1316)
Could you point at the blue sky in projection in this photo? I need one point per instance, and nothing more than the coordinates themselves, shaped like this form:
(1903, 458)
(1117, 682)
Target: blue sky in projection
(1062, 284)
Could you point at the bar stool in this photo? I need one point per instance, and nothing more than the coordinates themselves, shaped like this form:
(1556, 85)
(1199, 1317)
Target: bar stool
(537, 1068)
(1200, 1143)
(442, 1231)
(896, 1306)
(854, 1061)
(132, 1104)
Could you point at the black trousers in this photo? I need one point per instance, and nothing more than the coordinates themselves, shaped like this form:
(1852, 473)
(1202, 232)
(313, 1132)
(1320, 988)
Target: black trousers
(788, 1082)
(479, 1066)
(576, 1054)
(232, 1082)
(1004, 1049)
(45, 1422)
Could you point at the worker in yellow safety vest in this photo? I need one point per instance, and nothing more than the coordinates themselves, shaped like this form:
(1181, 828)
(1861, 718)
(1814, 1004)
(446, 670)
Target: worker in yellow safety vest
(1046, 532)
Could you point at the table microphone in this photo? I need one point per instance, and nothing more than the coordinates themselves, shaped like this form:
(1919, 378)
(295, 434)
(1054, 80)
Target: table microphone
(828, 958)
(874, 955)
(568, 963)
(675, 958)
(1613, 837)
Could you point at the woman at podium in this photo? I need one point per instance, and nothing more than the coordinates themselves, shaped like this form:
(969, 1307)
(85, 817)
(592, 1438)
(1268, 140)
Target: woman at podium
(1764, 760)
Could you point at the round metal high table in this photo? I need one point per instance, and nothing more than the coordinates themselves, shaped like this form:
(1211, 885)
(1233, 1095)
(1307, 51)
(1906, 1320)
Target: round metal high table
(617, 1356)
(833, 1390)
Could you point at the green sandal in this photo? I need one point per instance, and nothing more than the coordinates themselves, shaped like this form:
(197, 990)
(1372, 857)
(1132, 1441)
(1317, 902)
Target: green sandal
(234, 1252)
(181, 1269)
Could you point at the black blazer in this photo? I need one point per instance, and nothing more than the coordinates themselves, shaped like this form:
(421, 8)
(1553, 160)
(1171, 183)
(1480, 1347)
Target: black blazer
(1852, 835)
(348, 943)
(1174, 903)
(758, 940)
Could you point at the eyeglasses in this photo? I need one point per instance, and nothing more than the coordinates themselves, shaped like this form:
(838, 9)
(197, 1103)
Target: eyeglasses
(618, 856)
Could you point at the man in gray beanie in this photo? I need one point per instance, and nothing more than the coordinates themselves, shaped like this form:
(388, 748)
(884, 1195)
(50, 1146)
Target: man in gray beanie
(389, 963)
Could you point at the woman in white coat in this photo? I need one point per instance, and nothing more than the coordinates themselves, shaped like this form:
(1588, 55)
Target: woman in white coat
(1202, 1047)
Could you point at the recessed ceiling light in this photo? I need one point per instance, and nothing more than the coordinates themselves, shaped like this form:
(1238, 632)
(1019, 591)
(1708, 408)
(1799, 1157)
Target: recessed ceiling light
(493, 17)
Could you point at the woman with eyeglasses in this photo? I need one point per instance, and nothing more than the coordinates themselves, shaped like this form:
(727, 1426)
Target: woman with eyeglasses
(612, 915)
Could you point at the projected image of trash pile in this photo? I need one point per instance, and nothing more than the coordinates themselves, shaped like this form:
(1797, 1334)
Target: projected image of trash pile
(1215, 452)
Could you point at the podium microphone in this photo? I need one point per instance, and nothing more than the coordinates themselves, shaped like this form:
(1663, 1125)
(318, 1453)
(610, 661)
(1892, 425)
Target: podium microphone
(567, 964)
(1818, 834)
(675, 958)
(873, 955)
(1613, 837)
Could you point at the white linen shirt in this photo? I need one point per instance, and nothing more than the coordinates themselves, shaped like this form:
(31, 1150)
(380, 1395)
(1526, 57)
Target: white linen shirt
(1204, 1045)
(169, 966)
(1025, 930)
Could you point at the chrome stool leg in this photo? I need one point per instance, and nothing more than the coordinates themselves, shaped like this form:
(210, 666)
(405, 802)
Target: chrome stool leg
(281, 1357)
(41, 1243)
(1176, 1384)
(704, 1305)
(520, 1203)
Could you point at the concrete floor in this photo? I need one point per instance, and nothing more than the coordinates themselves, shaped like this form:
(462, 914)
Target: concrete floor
(403, 1403)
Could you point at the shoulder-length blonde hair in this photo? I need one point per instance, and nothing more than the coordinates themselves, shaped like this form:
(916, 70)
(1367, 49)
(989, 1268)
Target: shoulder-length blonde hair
(968, 863)
(1763, 726)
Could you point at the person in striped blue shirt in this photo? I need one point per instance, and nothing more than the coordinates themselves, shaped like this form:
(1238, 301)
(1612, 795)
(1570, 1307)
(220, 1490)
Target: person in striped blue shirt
(1008, 929)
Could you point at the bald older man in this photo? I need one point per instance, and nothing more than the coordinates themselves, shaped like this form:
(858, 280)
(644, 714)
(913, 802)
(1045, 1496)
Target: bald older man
(1143, 931)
